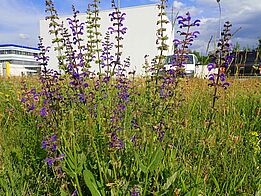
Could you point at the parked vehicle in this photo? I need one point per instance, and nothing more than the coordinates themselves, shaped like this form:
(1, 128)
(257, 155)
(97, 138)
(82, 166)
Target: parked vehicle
(189, 66)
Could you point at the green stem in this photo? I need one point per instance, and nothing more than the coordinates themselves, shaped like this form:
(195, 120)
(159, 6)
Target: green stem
(146, 183)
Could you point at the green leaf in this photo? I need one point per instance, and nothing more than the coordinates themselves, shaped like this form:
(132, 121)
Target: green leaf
(91, 182)
(240, 182)
(142, 166)
(215, 182)
(63, 193)
(170, 181)
(156, 159)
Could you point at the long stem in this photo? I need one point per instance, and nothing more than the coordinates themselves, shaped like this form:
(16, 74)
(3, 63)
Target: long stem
(162, 43)
(96, 15)
(146, 183)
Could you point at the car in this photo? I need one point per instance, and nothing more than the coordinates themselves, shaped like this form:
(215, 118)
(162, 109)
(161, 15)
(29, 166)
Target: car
(189, 66)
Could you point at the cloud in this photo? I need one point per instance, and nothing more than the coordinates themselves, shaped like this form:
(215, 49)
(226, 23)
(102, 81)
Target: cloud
(19, 21)
(24, 36)
(244, 14)
(177, 4)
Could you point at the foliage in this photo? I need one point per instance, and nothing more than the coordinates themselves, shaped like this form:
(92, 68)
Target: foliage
(111, 133)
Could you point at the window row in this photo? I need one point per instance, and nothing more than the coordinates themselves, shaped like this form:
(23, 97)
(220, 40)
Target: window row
(17, 52)
(20, 62)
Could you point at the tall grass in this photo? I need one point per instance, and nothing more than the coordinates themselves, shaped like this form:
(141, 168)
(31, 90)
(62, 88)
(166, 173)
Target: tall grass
(226, 161)
(111, 133)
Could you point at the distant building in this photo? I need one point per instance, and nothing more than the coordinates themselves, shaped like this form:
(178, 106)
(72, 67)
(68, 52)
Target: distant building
(140, 39)
(247, 63)
(20, 60)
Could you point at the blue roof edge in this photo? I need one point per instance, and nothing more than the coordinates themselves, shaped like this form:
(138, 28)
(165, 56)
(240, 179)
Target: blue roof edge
(19, 46)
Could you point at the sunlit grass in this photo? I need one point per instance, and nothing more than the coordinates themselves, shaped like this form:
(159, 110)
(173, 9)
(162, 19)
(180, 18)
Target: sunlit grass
(223, 161)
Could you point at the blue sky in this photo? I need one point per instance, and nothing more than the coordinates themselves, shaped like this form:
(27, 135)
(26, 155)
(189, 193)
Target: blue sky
(19, 21)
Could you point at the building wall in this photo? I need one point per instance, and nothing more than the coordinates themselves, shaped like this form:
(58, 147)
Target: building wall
(22, 61)
(139, 41)
(1, 69)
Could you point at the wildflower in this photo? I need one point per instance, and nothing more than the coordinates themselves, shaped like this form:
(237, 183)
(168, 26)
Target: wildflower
(211, 66)
(43, 112)
(49, 161)
(23, 100)
(221, 59)
(44, 144)
(115, 142)
(75, 193)
(135, 191)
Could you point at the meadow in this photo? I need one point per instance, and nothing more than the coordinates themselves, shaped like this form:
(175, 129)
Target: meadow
(187, 161)
(77, 132)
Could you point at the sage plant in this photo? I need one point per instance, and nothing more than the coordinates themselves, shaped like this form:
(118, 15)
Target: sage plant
(220, 61)
(96, 18)
(158, 65)
(170, 92)
(55, 29)
(118, 29)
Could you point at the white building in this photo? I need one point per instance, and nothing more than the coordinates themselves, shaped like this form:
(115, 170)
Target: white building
(21, 60)
(140, 39)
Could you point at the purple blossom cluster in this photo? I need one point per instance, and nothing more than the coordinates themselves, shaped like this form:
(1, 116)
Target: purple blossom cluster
(123, 94)
(30, 98)
(49, 98)
(221, 59)
(181, 45)
(50, 145)
(180, 56)
(117, 28)
(106, 55)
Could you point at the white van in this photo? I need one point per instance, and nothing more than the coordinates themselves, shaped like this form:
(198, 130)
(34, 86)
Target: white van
(190, 65)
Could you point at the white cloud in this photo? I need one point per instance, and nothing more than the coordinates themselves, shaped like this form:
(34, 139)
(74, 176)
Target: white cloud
(24, 36)
(177, 4)
(242, 13)
(19, 22)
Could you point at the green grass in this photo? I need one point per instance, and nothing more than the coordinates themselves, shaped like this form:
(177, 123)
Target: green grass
(190, 160)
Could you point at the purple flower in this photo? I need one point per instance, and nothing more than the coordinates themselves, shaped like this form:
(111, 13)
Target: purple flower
(23, 100)
(211, 66)
(135, 193)
(222, 77)
(43, 112)
(75, 193)
(115, 142)
(211, 77)
(49, 161)
(53, 138)
(196, 22)
(44, 144)
(225, 85)
(31, 107)
(162, 133)
(54, 147)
